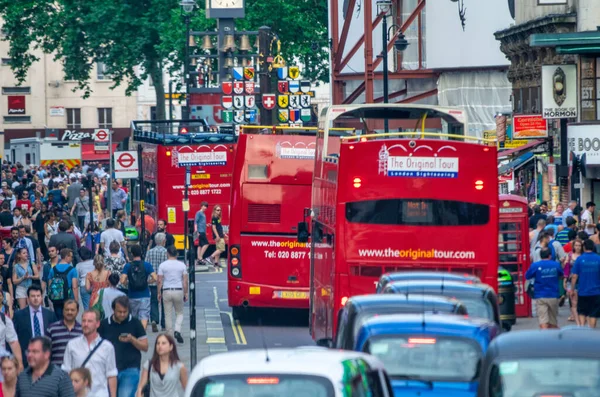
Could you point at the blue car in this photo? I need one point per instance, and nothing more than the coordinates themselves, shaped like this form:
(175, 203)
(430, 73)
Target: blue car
(420, 276)
(360, 308)
(429, 355)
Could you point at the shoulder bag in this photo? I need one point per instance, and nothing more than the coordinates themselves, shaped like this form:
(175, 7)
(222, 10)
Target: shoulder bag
(91, 353)
(146, 389)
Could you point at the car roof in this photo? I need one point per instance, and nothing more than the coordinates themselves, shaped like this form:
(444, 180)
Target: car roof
(310, 360)
(428, 285)
(443, 324)
(399, 298)
(412, 275)
(566, 342)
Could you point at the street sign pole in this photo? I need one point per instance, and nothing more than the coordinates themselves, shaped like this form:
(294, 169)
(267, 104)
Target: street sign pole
(110, 174)
(142, 188)
(191, 267)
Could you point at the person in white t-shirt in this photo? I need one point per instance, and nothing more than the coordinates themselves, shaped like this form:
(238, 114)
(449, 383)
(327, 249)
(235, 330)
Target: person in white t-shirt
(173, 286)
(109, 235)
(587, 218)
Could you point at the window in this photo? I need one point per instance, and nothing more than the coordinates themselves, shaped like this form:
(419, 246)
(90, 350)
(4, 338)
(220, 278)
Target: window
(105, 118)
(17, 119)
(417, 212)
(153, 113)
(16, 90)
(6, 61)
(73, 119)
(101, 73)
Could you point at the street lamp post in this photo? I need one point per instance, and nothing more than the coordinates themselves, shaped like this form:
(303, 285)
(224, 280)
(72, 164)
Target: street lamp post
(384, 7)
(187, 7)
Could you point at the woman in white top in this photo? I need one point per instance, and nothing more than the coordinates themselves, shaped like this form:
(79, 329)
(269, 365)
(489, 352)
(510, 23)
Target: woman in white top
(168, 375)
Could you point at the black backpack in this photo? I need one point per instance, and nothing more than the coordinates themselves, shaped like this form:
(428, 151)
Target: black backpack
(58, 287)
(137, 277)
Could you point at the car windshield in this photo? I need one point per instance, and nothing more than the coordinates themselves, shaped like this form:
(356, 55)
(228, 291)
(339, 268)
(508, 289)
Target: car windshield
(572, 377)
(478, 307)
(427, 357)
(264, 386)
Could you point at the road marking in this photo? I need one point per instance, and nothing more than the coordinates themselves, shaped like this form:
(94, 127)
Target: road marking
(240, 332)
(215, 340)
(223, 300)
(216, 296)
(233, 328)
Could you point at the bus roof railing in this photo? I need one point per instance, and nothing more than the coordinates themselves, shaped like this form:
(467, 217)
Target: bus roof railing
(181, 132)
(417, 135)
(271, 130)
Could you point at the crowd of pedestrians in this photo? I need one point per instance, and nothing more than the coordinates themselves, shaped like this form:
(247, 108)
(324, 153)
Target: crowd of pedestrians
(59, 263)
(565, 248)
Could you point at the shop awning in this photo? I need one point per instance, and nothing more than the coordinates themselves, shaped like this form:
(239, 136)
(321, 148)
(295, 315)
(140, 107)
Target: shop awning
(568, 43)
(505, 153)
(88, 153)
(516, 163)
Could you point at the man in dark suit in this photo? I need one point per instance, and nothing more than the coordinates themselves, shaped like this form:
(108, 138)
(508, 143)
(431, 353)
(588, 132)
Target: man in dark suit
(66, 240)
(33, 320)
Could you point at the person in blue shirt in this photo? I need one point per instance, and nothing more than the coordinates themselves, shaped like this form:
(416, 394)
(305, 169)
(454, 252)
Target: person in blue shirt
(136, 275)
(547, 274)
(63, 269)
(586, 271)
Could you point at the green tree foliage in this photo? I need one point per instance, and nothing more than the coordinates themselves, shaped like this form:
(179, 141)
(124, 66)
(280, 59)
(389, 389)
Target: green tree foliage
(126, 34)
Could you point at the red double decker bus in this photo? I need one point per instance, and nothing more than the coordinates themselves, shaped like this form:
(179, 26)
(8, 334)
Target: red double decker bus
(393, 201)
(165, 152)
(272, 183)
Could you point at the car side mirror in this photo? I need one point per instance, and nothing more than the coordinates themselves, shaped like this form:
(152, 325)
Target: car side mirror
(303, 233)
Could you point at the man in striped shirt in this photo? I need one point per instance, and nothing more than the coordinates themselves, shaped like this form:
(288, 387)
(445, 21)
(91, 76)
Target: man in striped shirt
(62, 331)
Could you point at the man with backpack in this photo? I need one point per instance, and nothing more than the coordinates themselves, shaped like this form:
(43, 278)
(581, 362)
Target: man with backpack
(62, 282)
(136, 275)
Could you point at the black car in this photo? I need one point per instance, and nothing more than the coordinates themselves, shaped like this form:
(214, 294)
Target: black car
(359, 309)
(563, 362)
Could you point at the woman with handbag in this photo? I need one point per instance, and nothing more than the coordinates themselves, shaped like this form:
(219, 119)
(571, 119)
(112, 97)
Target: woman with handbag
(164, 374)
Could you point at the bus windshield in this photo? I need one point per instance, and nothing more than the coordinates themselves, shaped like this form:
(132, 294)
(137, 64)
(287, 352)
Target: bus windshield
(264, 385)
(576, 377)
(427, 357)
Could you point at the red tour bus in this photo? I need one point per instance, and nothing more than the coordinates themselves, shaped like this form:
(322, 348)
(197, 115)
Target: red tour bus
(166, 150)
(272, 183)
(395, 201)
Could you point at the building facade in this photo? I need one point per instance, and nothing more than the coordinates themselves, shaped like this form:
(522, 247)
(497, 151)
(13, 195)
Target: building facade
(46, 105)
(559, 35)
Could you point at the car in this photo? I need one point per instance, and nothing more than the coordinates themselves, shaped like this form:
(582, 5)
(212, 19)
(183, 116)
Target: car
(297, 372)
(429, 355)
(480, 299)
(362, 307)
(407, 276)
(558, 362)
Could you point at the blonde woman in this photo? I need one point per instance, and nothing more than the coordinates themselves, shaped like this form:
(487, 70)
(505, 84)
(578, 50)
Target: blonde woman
(218, 234)
(10, 371)
(96, 279)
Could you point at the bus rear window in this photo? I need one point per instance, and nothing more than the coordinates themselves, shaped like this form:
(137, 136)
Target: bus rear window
(242, 385)
(417, 212)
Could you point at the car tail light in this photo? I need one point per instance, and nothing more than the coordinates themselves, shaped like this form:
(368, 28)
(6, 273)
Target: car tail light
(168, 153)
(235, 261)
(422, 341)
(357, 182)
(344, 300)
(271, 380)
(479, 185)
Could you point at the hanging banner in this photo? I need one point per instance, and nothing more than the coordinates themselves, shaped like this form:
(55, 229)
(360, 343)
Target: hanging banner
(559, 91)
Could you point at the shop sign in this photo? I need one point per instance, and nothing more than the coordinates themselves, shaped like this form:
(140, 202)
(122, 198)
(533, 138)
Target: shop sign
(505, 178)
(529, 126)
(585, 138)
(16, 104)
(559, 91)
(514, 143)
(57, 111)
(79, 135)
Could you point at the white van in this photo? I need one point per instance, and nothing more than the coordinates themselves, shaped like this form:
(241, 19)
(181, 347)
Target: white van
(297, 372)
